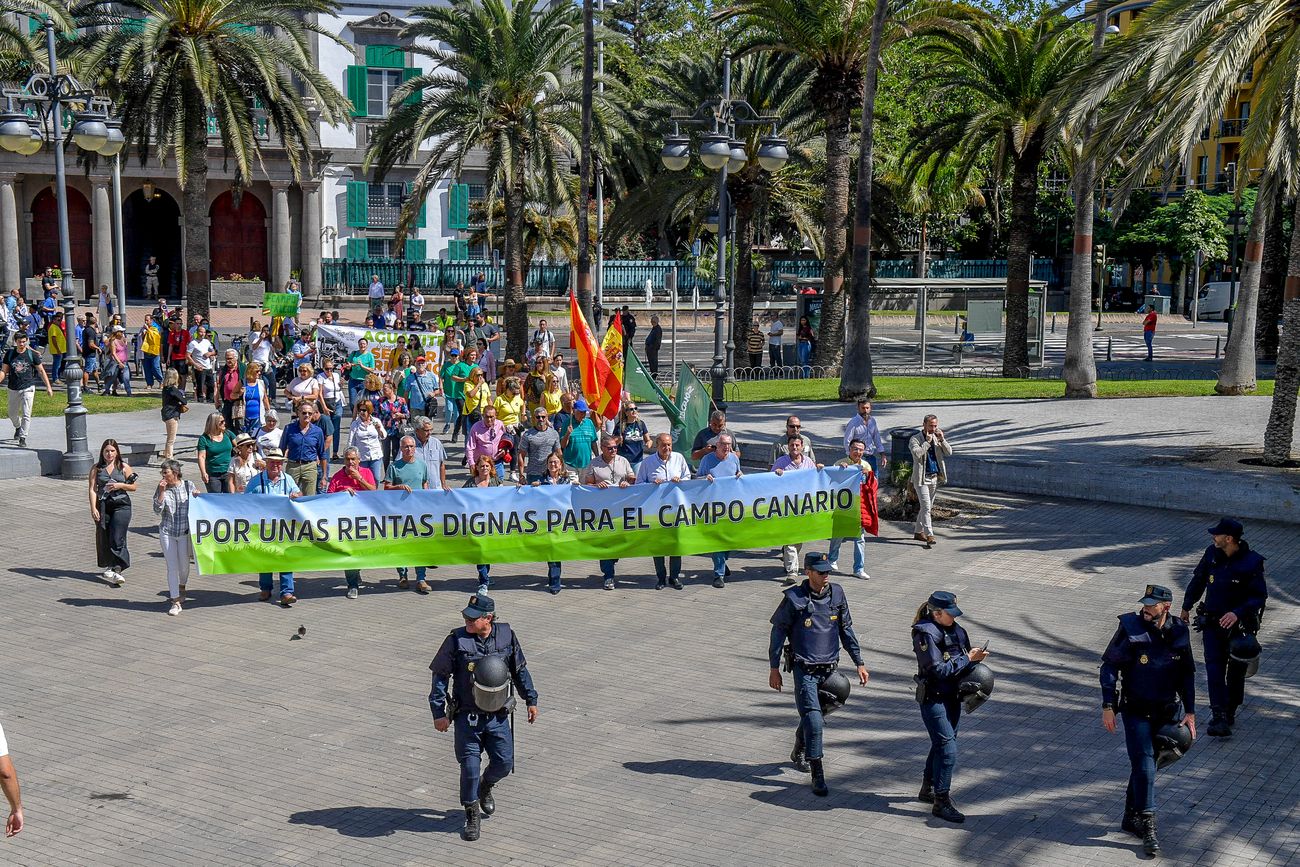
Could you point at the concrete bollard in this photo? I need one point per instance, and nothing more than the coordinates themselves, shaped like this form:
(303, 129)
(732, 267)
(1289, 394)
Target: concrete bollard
(1108, 349)
(1053, 323)
(1216, 346)
(956, 325)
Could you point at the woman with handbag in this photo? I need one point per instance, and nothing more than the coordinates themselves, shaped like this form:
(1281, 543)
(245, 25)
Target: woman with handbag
(367, 437)
(257, 400)
(117, 358)
(174, 403)
(478, 396)
(171, 502)
(395, 415)
(110, 485)
(331, 395)
(423, 388)
(215, 448)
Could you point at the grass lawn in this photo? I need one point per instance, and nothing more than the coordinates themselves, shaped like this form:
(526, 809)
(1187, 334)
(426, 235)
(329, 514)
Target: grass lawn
(45, 405)
(895, 388)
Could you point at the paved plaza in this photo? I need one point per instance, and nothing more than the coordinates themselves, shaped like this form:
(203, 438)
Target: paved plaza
(217, 737)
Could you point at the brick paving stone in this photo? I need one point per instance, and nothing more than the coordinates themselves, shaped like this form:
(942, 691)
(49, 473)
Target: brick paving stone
(212, 738)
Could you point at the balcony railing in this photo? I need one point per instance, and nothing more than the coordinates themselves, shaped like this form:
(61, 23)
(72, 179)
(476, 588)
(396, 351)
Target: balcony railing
(1233, 126)
(382, 214)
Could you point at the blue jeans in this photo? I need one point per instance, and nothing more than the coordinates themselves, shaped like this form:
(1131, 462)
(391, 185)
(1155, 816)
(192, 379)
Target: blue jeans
(809, 706)
(805, 357)
(1149, 336)
(720, 563)
(553, 573)
(56, 369)
(152, 370)
(859, 550)
(336, 421)
(420, 572)
(355, 387)
(488, 733)
(286, 582)
(453, 416)
(674, 568)
(484, 576)
(607, 569)
(353, 576)
(940, 718)
(376, 468)
(1141, 794)
(875, 468)
(123, 378)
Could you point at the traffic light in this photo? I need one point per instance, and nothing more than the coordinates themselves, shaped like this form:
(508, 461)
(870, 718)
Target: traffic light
(1099, 257)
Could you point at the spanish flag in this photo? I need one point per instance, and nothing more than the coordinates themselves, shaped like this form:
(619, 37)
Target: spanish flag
(612, 346)
(601, 387)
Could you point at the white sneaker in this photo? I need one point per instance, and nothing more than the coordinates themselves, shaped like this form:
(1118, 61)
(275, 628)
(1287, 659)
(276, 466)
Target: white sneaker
(175, 609)
(835, 565)
(862, 574)
(115, 579)
(107, 575)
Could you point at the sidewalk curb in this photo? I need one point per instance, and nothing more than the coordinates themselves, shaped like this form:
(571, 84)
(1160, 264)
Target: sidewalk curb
(1183, 489)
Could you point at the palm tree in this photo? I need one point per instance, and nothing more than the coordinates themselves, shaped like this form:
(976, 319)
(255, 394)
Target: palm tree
(584, 160)
(20, 51)
(175, 65)
(550, 230)
(503, 82)
(1000, 79)
(1172, 76)
(835, 37)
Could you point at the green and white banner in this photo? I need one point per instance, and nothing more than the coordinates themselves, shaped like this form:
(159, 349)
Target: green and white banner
(239, 533)
(344, 339)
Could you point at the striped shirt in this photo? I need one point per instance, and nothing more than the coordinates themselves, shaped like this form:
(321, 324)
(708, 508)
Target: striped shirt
(173, 508)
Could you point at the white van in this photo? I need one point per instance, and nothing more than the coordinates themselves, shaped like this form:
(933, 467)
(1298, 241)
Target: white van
(1212, 301)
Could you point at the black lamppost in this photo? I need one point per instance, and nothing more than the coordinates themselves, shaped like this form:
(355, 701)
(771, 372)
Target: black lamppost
(720, 150)
(47, 94)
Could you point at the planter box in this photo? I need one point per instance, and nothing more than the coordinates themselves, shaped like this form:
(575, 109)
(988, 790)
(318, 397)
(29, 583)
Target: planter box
(32, 287)
(239, 293)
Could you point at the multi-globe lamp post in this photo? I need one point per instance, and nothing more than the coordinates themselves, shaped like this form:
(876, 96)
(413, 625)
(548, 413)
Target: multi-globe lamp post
(722, 151)
(94, 131)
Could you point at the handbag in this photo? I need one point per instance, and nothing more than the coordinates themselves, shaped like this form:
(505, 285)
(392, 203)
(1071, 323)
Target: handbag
(238, 411)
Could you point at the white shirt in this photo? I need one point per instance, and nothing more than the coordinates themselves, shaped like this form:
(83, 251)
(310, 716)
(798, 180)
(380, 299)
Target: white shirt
(775, 332)
(548, 340)
(330, 387)
(417, 303)
(365, 438)
(260, 351)
(304, 387)
(269, 439)
(198, 353)
(562, 375)
(654, 468)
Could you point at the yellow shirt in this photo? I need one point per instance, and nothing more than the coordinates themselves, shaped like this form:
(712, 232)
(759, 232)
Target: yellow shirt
(477, 397)
(551, 401)
(509, 409)
(58, 340)
(152, 342)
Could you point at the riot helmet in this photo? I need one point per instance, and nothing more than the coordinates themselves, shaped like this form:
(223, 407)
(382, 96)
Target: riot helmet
(1244, 650)
(491, 683)
(1171, 741)
(833, 692)
(976, 686)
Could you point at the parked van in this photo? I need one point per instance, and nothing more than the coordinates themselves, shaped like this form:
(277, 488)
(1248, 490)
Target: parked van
(1213, 301)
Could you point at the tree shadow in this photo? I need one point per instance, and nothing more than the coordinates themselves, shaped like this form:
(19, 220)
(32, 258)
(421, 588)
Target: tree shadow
(380, 821)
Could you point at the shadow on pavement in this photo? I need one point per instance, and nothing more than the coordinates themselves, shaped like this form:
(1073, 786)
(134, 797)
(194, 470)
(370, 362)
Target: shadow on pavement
(53, 574)
(380, 821)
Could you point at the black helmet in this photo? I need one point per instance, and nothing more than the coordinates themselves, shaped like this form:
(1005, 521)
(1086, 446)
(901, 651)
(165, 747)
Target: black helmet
(1244, 649)
(833, 692)
(491, 683)
(976, 686)
(1171, 741)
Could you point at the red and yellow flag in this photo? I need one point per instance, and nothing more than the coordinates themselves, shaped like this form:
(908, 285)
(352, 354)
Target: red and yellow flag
(612, 346)
(600, 385)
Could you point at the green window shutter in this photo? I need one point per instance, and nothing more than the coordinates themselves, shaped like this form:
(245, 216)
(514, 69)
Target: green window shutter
(354, 81)
(385, 56)
(421, 216)
(415, 248)
(213, 131)
(458, 251)
(358, 199)
(458, 207)
(355, 250)
(407, 75)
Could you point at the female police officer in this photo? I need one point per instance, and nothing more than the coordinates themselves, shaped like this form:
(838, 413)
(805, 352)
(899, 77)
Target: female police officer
(943, 655)
(1149, 664)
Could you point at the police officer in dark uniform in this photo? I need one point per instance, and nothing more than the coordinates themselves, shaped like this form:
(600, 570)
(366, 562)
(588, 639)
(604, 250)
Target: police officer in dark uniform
(1148, 677)
(1231, 577)
(943, 656)
(480, 661)
(814, 617)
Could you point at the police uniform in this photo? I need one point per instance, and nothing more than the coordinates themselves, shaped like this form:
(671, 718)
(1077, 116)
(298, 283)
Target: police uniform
(942, 657)
(1229, 584)
(816, 625)
(1148, 677)
(476, 731)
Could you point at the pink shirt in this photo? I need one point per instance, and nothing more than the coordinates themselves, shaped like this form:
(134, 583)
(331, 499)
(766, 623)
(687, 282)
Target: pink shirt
(341, 481)
(484, 440)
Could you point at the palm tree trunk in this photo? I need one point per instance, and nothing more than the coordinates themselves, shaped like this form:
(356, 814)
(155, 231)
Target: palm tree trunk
(1024, 198)
(1080, 366)
(198, 290)
(742, 293)
(1281, 417)
(1272, 276)
(584, 160)
(835, 215)
(1237, 375)
(856, 378)
(516, 303)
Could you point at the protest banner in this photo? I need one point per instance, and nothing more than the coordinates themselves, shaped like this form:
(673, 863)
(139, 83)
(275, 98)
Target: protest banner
(339, 340)
(280, 303)
(239, 533)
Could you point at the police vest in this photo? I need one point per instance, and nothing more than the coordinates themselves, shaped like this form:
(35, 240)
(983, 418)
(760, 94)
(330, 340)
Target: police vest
(815, 631)
(1151, 663)
(951, 643)
(1228, 580)
(469, 653)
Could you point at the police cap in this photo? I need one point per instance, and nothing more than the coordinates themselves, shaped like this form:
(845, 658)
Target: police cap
(942, 600)
(480, 605)
(1155, 594)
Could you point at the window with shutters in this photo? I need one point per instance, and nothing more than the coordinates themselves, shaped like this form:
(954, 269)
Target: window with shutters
(384, 203)
(379, 248)
(380, 84)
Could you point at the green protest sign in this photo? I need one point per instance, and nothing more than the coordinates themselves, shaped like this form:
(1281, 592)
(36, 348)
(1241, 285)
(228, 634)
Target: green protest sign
(280, 303)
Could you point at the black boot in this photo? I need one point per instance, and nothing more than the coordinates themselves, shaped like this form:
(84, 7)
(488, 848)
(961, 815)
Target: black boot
(926, 795)
(1218, 724)
(1130, 824)
(1232, 715)
(797, 756)
(1150, 844)
(471, 829)
(820, 788)
(944, 809)
(485, 801)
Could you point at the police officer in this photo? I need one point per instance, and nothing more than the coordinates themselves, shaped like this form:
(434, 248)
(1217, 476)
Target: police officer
(814, 617)
(943, 656)
(480, 660)
(1146, 671)
(1231, 577)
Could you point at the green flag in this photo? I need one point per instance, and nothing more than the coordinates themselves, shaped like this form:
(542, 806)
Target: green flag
(638, 383)
(280, 303)
(693, 406)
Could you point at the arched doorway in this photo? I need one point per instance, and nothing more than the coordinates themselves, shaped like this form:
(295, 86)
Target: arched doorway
(45, 233)
(237, 236)
(151, 227)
